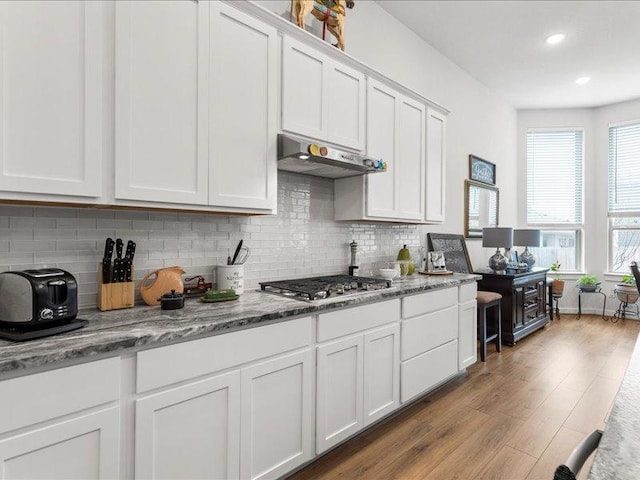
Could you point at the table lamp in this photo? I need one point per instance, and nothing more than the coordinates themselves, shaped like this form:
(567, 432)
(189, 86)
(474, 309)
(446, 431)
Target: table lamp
(497, 237)
(527, 238)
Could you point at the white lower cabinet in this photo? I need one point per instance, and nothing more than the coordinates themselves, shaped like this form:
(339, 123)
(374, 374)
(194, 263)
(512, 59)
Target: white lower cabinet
(192, 431)
(251, 423)
(358, 383)
(85, 447)
(339, 404)
(426, 371)
(468, 327)
(381, 372)
(431, 331)
(276, 415)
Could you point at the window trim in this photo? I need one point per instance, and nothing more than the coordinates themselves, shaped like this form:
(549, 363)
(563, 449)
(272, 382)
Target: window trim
(610, 215)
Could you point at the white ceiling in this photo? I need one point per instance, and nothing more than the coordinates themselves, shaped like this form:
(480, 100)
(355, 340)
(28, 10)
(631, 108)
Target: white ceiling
(501, 43)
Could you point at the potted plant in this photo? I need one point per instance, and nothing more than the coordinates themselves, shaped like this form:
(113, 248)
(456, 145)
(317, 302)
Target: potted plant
(626, 290)
(557, 285)
(588, 283)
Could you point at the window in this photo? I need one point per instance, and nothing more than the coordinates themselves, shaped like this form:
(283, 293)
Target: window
(555, 159)
(624, 196)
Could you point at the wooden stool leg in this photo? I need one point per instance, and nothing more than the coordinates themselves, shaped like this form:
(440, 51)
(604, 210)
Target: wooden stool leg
(483, 334)
(499, 327)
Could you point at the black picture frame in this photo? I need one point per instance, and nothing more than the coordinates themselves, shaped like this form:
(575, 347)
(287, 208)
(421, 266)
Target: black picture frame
(481, 170)
(456, 256)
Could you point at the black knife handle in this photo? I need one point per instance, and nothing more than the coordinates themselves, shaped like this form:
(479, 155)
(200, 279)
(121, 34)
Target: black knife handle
(106, 261)
(131, 250)
(106, 272)
(127, 270)
(119, 245)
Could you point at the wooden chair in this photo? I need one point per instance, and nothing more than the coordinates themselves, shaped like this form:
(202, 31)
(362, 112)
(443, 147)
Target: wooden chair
(486, 301)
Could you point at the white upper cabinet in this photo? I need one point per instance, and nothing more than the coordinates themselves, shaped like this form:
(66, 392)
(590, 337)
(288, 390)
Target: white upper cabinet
(243, 110)
(346, 98)
(396, 134)
(51, 94)
(321, 98)
(436, 123)
(304, 81)
(410, 155)
(161, 68)
(382, 118)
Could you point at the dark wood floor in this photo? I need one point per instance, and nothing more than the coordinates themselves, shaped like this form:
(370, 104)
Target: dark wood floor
(517, 416)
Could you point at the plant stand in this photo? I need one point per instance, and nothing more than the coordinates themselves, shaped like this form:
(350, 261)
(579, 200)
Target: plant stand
(626, 301)
(597, 290)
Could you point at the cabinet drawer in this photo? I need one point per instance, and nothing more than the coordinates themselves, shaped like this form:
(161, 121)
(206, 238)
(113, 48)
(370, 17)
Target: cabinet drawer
(428, 370)
(429, 302)
(468, 292)
(421, 334)
(350, 320)
(44, 396)
(183, 361)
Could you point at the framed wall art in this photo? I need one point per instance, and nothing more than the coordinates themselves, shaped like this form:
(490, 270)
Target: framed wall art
(481, 170)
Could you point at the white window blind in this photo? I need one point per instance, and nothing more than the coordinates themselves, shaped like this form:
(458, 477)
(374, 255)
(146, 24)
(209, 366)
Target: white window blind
(554, 176)
(624, 169)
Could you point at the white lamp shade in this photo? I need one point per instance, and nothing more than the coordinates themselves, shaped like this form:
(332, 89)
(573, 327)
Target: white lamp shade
(527, 238)
(497, 237)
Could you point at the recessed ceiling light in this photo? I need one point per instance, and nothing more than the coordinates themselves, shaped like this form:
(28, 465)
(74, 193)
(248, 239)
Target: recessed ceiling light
(555, 38)
(582, 80)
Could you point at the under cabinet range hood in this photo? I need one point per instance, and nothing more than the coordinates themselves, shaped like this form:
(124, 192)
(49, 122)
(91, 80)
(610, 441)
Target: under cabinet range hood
(303, 156)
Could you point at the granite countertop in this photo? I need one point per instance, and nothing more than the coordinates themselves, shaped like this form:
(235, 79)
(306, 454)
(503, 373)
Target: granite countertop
(617, 454)
(143, 326)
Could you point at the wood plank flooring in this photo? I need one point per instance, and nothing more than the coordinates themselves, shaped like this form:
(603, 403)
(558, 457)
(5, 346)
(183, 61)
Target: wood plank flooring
(515, 417)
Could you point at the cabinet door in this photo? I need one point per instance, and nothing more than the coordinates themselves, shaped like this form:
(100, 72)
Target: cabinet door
(410, 163)
(161, 64)
(345, 106)
(243, 110)
(518, 308)
(381, 141)
(86, 447)
(381, 372)
(277, 416)
(467, 334)
(191, 431)
(304, 88)
(339, 404)
(436, 122)
(427, 371)
(51, 57)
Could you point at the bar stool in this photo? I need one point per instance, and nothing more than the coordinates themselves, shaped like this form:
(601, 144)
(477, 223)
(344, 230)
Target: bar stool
(487, 300)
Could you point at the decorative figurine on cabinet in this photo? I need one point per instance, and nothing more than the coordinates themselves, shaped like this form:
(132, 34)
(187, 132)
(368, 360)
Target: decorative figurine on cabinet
(330, 12)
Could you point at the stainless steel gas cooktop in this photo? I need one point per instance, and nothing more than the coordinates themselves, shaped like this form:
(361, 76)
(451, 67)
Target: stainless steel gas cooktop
(316, 288)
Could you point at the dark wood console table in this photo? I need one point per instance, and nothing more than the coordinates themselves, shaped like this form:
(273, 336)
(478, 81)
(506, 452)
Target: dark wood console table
(524, 300)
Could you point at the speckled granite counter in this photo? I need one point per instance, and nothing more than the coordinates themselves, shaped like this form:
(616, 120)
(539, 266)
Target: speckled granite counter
(142, 326)
(617, 455)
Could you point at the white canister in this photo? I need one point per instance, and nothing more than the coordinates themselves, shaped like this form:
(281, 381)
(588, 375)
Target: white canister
(231, 276)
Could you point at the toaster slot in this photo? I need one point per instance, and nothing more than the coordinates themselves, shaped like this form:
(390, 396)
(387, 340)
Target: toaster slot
(57, 291)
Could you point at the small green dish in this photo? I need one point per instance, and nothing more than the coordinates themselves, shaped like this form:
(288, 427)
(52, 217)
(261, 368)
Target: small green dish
(215, 300)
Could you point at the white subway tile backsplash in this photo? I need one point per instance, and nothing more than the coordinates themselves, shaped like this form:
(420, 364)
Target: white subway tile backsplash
(31, 222)
(77, 223)
(32, 245)
(54, 233)
(301, 240)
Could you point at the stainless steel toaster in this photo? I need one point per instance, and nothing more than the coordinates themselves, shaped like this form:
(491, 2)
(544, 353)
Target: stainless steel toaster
(32, 298)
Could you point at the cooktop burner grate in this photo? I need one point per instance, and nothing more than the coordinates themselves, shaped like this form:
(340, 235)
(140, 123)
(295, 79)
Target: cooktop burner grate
(314, 288)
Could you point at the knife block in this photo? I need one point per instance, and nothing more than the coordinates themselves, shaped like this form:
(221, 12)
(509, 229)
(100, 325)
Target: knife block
(114, 296)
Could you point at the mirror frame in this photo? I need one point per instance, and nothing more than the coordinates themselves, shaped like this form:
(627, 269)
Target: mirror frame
(467, 186)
